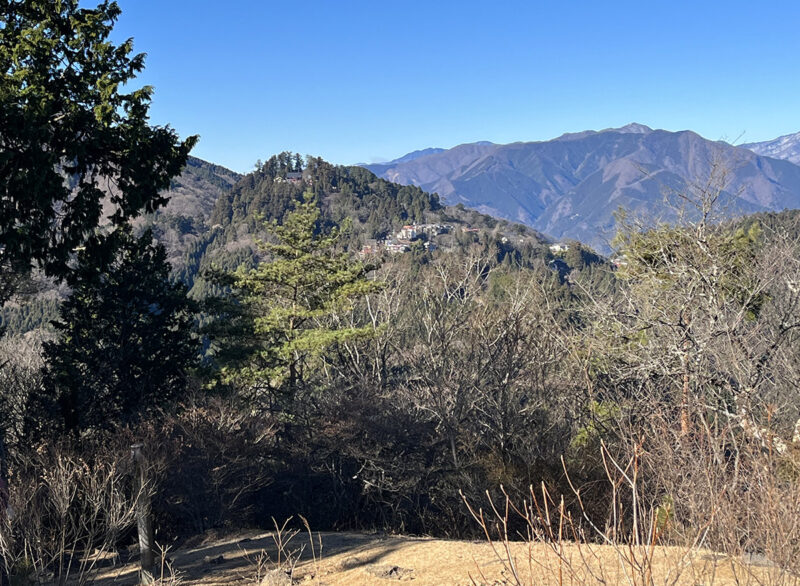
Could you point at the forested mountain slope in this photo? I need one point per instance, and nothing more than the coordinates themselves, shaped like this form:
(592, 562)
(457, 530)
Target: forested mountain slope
(370, 209)
(178, 225)
(215, 215)
(192, 197)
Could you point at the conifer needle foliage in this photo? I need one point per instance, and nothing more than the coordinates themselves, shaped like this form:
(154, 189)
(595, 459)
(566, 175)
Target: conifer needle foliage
(125, 342)
(284, 319)
(72, 129)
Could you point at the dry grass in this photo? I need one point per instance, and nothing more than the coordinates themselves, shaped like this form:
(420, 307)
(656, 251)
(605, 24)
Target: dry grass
(360, 559)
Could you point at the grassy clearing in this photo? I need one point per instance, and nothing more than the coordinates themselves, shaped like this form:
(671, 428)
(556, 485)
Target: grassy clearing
(363, 559)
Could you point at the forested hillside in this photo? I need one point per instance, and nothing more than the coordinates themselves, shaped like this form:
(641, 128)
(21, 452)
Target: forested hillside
(178, 226)
(186, 352)
(366, 388)
(371, 209)
(192, 198)
(214, 217)
(382, 391)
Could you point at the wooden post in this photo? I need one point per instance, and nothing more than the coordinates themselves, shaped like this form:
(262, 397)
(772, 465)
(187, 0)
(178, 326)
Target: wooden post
(4, 495)
(144, 521)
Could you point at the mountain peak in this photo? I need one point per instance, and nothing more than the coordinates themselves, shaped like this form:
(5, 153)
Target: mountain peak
(633, 128)
(570, 187)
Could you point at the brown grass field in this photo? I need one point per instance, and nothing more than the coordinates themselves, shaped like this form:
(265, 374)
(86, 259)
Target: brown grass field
(363, 559)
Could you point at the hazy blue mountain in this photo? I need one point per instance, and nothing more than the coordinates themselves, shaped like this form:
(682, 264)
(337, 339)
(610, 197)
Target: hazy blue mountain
(416, 155)
(570, 187)
(404, 159)
(784, 147)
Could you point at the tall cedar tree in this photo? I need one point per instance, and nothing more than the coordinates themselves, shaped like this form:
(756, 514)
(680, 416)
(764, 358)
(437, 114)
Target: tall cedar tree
(125, 339)
(70, 136)
(281, 320)
(64, 127)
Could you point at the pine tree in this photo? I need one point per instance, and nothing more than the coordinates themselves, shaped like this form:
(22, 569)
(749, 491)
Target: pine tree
(282, 321)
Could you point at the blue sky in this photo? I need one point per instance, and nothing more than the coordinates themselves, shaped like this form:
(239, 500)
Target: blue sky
(356, 81)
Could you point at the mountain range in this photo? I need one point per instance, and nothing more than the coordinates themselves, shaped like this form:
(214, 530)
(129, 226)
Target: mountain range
(784, 147)
(570, 187)
(567, 188)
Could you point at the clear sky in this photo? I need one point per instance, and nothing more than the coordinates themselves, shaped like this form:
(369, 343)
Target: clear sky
(356, 81)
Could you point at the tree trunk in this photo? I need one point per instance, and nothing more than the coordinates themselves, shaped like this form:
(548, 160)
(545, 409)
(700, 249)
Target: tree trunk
(686, 420)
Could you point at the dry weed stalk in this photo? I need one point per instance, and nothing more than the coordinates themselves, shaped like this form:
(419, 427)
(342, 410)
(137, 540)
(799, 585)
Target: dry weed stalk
(266, 567)
(552, 533)
(280, 568)
(67, 517)
(167, 574)
(719, 509)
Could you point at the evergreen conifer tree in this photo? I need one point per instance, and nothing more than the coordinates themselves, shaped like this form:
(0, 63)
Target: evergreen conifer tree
(281, 320)
(125, 339)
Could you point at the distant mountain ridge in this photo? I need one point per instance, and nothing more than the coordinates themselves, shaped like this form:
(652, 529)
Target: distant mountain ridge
(784, 147)
(416, 155)
(570, 187)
